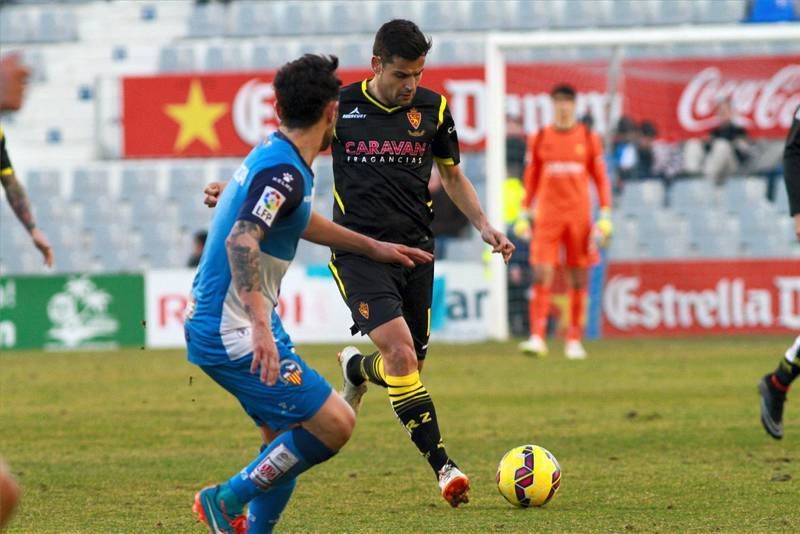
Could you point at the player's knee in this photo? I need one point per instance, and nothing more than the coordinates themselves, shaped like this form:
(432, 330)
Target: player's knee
(401, 358)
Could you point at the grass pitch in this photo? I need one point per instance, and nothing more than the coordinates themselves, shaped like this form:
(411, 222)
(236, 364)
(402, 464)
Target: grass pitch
(657, 435)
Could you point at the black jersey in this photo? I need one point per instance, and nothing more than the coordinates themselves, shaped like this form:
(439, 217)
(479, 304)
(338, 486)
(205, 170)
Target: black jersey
(791, 164)
(382, 159)
(5, 162)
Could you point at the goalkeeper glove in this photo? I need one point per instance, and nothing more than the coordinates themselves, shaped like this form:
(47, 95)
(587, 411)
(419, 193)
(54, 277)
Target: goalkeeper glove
(604, 227)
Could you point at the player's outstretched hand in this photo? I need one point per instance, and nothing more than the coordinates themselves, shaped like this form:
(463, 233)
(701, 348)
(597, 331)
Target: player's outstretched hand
(41, 242)
(399, 254)
(212, 191)
(498, 241)
(265, 355)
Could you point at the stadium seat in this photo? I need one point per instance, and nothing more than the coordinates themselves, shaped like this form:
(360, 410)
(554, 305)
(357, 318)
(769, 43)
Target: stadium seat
(207, 20)
(718, 11)
(442, 15)
(583, 14)
(44, 182)
(639, 197)
(138, 182)
(15, 26)
(665, 12)
(186, 181)
(90, 183)
(485, 16)
(688, 195)
(221, 58)
(174, 59)
(56, 25)
(250, 19)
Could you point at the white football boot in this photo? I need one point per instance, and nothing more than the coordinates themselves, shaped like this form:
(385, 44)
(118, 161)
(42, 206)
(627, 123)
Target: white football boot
(573, 350)
(350, 392)
(534, 345)
(454, 485)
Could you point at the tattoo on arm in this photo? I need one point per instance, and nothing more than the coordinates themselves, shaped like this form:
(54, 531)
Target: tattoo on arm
(243, 256)
(18, 201)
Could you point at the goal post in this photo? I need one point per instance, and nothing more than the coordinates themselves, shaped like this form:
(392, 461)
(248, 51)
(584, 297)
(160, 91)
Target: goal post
(498, 45)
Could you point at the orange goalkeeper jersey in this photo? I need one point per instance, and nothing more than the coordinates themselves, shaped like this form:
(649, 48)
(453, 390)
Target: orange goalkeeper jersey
(559, 167)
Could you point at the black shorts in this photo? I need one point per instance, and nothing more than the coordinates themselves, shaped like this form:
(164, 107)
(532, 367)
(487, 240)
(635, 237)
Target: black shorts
(377, 292)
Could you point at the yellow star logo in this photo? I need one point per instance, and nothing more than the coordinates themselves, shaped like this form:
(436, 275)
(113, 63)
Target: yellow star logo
(196, 118)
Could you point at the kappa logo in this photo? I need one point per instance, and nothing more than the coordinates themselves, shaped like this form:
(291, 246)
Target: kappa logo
(414, 117)
(284, 180)
(355, 114)
(363, 309)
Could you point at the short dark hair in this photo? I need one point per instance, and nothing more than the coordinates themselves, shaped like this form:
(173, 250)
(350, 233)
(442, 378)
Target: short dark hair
(400, 38)
(304, 87)
(563, 89)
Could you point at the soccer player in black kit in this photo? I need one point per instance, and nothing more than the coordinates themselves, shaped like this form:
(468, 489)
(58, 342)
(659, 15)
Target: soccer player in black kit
(774, 386)
(389, 133)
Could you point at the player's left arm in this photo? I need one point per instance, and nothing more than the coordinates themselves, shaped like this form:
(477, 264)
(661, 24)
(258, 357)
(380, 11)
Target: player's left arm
(597, 171)
(459, 188)
(20, 205)
(273, 194)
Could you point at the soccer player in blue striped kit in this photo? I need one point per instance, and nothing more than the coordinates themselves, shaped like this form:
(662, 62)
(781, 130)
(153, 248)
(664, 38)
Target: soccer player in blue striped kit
(232, 331)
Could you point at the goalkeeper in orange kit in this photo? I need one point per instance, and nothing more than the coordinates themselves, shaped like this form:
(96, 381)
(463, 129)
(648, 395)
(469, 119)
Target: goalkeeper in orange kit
(562, 160)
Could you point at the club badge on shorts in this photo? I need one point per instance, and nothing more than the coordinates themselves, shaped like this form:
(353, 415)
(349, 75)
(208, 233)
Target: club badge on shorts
(290, 372)
(363, 309)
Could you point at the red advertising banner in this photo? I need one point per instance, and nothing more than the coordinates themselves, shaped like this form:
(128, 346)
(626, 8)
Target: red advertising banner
(226, 114)
(701, 298)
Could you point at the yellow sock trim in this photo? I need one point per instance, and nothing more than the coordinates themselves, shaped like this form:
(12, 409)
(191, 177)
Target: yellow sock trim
(377, 367)
(402, 381)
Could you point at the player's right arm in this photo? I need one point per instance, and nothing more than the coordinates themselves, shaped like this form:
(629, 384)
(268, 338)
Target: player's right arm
(532, 174)
(270, 197)
(791, 171)
(18, 200)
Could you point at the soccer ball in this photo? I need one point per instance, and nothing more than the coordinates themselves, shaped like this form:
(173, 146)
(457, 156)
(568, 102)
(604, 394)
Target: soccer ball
(528, 476)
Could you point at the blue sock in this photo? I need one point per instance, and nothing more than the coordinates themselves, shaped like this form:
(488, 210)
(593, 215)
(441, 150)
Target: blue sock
(287, 456)
(265, 509)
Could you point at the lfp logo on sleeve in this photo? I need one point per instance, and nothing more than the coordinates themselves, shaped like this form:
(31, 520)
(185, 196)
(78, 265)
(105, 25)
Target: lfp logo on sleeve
(266, 208)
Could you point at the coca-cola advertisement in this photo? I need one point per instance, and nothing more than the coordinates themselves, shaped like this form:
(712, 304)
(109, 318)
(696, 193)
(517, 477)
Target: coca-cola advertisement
(701, 298)
(226, 114)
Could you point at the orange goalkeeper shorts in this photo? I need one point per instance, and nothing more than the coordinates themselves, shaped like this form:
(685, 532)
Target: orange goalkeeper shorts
(550, 235)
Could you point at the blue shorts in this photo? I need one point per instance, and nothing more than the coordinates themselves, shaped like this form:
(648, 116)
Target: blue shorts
(295, 397)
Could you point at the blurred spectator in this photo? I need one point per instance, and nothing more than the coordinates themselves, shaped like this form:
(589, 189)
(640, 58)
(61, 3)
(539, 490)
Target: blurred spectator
(624, 152)
(515, 146)
(723, 153)
(199, 243)
(448, 221)
(520, 274)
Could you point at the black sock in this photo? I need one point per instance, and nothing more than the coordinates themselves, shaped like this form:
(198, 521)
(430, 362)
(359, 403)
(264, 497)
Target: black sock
(786, 373)
(361, 368)
(414, 407)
